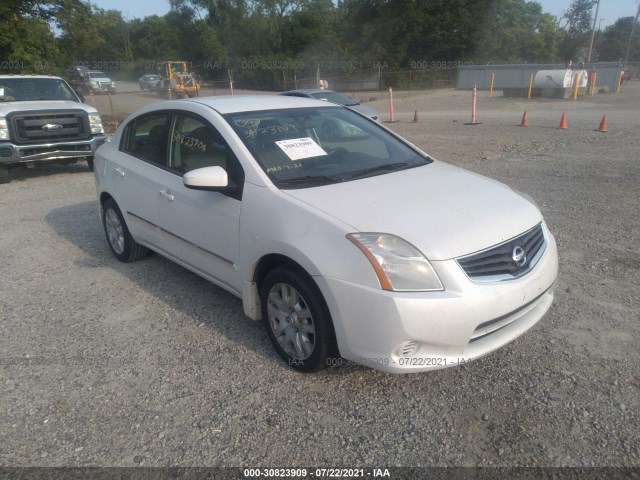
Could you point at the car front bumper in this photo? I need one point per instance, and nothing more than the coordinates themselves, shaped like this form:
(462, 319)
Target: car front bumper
(102, 89)
(404, 332)
(11, 153)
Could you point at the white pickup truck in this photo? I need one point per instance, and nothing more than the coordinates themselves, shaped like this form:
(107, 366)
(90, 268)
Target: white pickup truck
(42, 120)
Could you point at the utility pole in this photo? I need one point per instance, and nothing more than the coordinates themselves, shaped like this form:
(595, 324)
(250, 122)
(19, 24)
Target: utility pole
(633, 30)
(593, 31)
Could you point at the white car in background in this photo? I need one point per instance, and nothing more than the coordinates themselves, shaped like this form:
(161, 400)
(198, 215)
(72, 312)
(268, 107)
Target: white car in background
(358, 247)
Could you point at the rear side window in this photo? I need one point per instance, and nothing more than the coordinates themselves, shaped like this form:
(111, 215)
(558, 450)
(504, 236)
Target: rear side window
(146, 138)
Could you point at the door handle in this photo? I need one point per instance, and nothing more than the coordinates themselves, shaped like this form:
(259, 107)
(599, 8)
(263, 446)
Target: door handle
(119, 171)
(167, 194)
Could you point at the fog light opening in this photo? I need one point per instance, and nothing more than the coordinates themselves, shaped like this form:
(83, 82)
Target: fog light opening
(406, 349)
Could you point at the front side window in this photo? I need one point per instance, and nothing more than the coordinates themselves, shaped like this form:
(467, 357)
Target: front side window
(145, 138)
(195, 144)
(303, 147)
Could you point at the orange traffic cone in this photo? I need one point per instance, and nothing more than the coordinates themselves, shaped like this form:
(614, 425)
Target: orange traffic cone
(563, 121)
(603, 124)
(525, 121)
(415, 117)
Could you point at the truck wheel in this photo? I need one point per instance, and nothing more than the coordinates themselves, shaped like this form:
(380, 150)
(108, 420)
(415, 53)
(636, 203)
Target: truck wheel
(5, 175)
(122, 244)
(90, 163)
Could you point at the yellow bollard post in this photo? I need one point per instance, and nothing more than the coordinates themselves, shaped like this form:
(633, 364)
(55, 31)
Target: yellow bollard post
(575, 86)
(493, 77)
(530, 86)
(619, 82)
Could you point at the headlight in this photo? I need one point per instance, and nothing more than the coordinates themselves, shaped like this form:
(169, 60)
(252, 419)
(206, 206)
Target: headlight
(399, 266)
(95, 122)
(4, 129)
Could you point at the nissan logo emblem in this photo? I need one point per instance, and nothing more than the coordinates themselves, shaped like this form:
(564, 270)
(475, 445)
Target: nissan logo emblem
(51, 126)
(519, 256)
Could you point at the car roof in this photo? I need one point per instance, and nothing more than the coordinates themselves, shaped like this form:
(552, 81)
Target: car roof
(309, 91)
(249, 103)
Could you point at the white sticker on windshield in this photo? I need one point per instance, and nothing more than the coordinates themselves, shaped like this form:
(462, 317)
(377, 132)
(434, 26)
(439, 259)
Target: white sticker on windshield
(301, 148)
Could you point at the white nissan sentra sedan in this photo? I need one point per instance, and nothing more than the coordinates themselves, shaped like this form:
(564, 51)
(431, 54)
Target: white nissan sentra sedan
(354, 248)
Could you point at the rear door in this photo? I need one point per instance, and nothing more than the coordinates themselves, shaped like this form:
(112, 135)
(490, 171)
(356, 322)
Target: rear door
(135, 171)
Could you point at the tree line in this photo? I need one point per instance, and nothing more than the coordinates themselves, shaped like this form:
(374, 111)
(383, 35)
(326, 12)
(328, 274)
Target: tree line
(256, 40)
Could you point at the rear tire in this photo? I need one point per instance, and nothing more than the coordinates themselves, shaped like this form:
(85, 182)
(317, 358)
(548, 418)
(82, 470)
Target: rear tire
(297, 320)
(122, 244)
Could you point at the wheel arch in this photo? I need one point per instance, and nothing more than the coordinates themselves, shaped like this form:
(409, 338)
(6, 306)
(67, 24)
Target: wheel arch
(271, 261)
(104, 196)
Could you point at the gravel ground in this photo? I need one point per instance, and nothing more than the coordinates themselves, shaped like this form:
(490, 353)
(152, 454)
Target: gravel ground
(146, 364)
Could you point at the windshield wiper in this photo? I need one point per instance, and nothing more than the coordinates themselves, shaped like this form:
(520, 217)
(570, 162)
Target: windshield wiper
(311, 180)
(387, 167)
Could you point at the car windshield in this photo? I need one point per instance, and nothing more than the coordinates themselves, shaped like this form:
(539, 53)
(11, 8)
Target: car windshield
(97, 75)
(305, 147)
(334, 97)
(26, 89)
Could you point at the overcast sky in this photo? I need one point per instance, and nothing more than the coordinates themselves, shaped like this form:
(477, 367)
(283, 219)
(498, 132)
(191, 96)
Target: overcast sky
(610, 10)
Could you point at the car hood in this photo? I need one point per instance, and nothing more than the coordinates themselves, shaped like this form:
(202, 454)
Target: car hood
(445, 211)
(38, 105)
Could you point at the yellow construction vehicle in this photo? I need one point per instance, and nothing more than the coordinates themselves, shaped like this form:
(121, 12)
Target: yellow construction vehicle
(176, 81)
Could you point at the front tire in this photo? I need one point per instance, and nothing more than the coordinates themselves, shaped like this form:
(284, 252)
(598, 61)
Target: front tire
(5, 175)
(90, 163)
(297, 320)
(122, 244)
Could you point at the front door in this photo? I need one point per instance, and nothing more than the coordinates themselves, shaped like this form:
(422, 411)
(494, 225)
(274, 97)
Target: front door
(200, 229)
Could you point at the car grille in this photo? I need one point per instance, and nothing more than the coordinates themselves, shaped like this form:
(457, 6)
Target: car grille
(28, 126)
(497, 263)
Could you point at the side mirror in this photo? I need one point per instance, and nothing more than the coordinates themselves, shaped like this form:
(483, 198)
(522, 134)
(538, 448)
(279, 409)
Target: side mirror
(206, 178)
(81, 97)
